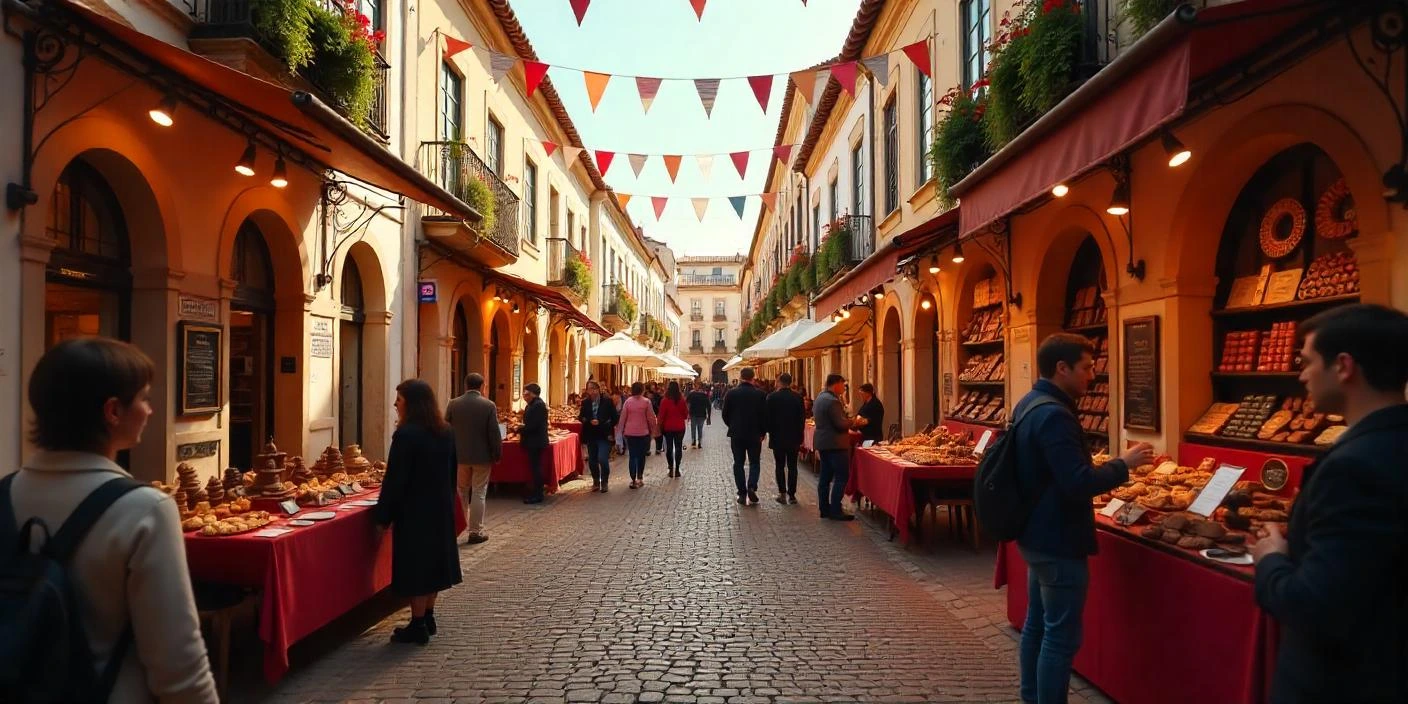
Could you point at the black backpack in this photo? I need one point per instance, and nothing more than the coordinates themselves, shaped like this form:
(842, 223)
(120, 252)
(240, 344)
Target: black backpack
(1003, 505)
(44, 651)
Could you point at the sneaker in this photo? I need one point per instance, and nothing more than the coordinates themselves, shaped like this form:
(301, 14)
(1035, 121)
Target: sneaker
(476, 539)
(842, 517)
(414, 632)
(753, 498)
(792, 499)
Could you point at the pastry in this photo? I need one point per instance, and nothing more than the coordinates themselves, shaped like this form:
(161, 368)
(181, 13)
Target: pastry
(1330, 435)
(1274, 424)
(1194, 542)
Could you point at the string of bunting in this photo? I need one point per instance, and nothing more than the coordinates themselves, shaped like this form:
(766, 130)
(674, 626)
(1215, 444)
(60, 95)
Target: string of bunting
(579, 8)
(705, 162)
(809, 81)
(701, 204)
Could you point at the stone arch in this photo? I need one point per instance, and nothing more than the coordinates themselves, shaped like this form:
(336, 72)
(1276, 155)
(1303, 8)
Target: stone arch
(924, 328)
(532, 362)
(372, 383)
(499, 347)
(464, 329)
(561, 358)
(890, 384)
(1073, 226)
(282, 230)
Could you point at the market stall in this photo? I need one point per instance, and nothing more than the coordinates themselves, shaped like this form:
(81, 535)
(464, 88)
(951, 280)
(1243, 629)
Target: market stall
(1087, 315)
(885, 475)
(561, 459)
(982, 379)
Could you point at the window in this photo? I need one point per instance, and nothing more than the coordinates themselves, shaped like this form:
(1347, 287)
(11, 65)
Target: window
(925, 130)
(372, 9)
(718, 307)
(857, 180)
(554, 205)
(816, 224)
(718, 336)
(892, 158)
(571, 227)
(977, 34)
(718, 271)
(697, 339)
(835, 194)
(451, 102)
(530, 199)
(496, 146)
(696, 306)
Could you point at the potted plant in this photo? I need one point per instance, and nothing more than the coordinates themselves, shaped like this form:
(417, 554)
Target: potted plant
(477, 194)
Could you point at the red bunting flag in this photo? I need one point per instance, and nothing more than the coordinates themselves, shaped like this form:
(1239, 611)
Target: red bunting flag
(603, 161)
(918, 52)
(579, 8)
(533, 74)
(762, 89)
(549, 147)
(698, 8)
(672, 165)
(783, 152)
(740, 162)
(658, 202)
(454, 46)
(845, 74)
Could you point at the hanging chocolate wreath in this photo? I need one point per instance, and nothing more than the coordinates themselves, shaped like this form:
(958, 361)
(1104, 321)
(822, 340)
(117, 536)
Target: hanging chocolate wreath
(1335, 218)
(1277, 247)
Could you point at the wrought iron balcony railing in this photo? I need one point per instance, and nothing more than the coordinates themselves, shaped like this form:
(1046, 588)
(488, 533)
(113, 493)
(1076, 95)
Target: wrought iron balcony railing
(862, 229)
(696, 317)
(708, 280)
(452, 164)
(560, 253)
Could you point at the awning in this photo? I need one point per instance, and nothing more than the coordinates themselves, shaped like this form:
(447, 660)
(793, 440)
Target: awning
(880, 266)
(836, 335)
(730, 364)
(1129, 100)
(624, 350)
(298, 118)
(776, 345)
(547, 298)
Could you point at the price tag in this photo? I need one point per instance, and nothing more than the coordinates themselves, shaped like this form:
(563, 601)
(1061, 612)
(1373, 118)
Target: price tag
(1216, 490)
(983, 442)
(272, 532)
(867, 443)
(290, 507)
(1129, 514)
(1111, 508)
(344, 489)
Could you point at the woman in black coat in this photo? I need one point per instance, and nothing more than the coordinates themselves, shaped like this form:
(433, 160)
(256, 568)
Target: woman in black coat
(418, 502)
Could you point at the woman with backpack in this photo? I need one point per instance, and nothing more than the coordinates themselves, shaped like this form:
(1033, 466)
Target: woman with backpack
(117, 544)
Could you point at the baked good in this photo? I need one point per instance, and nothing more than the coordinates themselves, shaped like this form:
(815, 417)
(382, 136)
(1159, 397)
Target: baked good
(1274, 424)
(1194, 542)
(1214, 419)
(1330, 435)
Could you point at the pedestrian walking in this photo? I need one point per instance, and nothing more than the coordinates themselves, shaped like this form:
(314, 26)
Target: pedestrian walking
(833, 444)
(701, 413)
(118, 541)
(598, 418)
(638, 424)
(1060, 533)
(656, 396)
(418, 502)
(674, 413)
(743, 412)
(786, 419)
(478, 445)
(1336, 582)
(533, 436)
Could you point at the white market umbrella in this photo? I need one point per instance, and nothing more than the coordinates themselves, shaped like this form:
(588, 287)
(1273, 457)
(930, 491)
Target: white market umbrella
(621, 349)
(674, 361)
(675, 372)
(737, 360)
(778, 344)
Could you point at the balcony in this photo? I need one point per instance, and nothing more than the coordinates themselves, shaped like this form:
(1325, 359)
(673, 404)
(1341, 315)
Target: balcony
(720, 317)
(862, 229)
(708, 280)
(697, 348)
(568, 272)
(228, 32)
(618, 311)
(696, 317)
(455, 166)
(720, 347)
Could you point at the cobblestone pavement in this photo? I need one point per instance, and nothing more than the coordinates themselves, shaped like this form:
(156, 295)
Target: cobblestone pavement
(674, 593)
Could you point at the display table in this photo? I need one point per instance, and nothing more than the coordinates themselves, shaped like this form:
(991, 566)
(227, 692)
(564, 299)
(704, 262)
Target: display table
(561, 459)
(1162, 625)
(887, 483)
(975, 430)
(571, 426)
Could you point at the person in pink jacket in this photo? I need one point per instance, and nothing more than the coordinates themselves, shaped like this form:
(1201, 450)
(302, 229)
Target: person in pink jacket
(674, 415)
(638, 424)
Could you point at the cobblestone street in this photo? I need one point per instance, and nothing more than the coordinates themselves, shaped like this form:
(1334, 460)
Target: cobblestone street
(675, 593)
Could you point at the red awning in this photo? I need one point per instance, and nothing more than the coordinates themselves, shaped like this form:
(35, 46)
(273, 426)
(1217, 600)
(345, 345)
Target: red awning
(1126, 102)
(547, 298)
(880, 266)
(300, 119)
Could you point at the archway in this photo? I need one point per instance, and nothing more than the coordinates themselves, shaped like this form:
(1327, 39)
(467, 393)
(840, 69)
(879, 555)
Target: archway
(467, 348)
(926, 361)
(572, 372)
(88, 281)
(559, 375)
(718, 374)
(350, 360)
(252, 308)
(891, 391)
(500, 360)
(530, 360)
(366, 329)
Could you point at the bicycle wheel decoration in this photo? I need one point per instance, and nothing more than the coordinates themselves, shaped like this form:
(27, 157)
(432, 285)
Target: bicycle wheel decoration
(1335, 218)
(1273, 245)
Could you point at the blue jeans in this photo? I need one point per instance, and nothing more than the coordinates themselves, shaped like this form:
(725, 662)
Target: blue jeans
(1056, 588)
(638, 446)
(696, 429)
(831, 485)
(753, 451)
(674, 448)
(599, 460)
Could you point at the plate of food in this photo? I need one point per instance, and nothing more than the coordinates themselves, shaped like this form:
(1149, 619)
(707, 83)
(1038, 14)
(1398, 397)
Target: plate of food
(301, 522)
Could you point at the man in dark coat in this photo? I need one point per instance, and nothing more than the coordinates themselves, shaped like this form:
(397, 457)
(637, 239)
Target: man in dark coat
(743, 412)
(700, 413)
(873, 412)
(534, 438)
(478, 445)
(599, 418)
(786, 419)
(1339, 587)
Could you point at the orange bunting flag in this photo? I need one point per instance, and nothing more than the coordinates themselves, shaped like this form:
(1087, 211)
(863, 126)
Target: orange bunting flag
(658, 202)
(647, 87)
(622, 199)
(698, 8)
(454, 46)
(918, 52)
(533, 74)
(549, 147)
(579, 8)
(762, 90)
(603, 161)
(596, 86)
(740, 162)
(672, 165)
(769, 200)
(805, 82)
(845, 74)
(701, 206)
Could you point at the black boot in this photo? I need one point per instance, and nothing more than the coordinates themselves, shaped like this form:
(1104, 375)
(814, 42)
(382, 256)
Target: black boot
(414, 632)
(430, 621)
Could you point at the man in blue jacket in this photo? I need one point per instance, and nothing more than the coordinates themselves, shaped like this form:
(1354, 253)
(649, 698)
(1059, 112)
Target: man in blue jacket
(1060, 533)
(1339, 587)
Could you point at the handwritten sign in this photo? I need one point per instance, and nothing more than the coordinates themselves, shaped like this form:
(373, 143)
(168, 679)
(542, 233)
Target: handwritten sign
(983, 443)
(290, 507)
(199, 308)
(1111, 508)
(503, 430)
(1141, 373)
(199, 368)
(320, 346)
(1216, 490)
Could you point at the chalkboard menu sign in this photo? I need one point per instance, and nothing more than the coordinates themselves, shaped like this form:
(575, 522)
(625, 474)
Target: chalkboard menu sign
(1141, 373)
(198, 357)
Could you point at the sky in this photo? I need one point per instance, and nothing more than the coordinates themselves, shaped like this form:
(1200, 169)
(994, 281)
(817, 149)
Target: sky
(662, 38)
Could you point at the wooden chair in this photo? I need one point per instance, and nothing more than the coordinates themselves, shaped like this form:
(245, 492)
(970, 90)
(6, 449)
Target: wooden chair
(218, 604)
(957, 497)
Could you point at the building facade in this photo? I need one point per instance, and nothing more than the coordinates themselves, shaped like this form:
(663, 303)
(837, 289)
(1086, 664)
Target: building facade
(711, 294)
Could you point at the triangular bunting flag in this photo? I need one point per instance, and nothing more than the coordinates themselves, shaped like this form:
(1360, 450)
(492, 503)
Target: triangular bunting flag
(579, 8)
(637, 163)
(570, 154)
(698, 6)
(805, 82)
(454, 46)
(672, 165)
(658, 203)
(769, 200)
(740, 162)
(622, 199)
(647, 87)
(845, 74)
(782, 152)
(918, 52)
(738, 203)
(706, 164)
(708, 89)
(879, 67)
(603, 161)
(701, 205)
(762, 89)
(500, 65)
(533, 73)
(596, 85)
(549, 147)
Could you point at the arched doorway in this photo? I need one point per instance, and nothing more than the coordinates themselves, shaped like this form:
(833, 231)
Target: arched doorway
(530, 359)
(559, 376)
(891, 386)
(251, 346)
(500, 361)
(718, 374)
(88, 282)
(573, 374)
(926, 362)
(353, 317)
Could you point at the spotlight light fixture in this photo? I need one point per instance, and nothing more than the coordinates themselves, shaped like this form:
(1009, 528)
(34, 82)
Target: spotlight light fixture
(516, 309)
(864, 298)
(1178, 154)
(846, 313)
(1119, 200)
(879, 295)
(958, 253)
(925, 304)
(1060, 190)
(934, 266)
(164, 113)
(280, 179)
(246, 165)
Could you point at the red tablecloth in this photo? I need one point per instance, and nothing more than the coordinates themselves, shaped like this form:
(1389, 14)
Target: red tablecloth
(574, 426)
(561, 459)
(886, 483)
(1161, 625)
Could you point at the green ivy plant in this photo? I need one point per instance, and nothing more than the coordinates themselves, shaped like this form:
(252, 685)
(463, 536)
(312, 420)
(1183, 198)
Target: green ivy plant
(1006, 114)
(960, 142)
(1142, 15)
(479, 196)
(282, 27)
(343, 66)
(578, 276)
(1049, 61)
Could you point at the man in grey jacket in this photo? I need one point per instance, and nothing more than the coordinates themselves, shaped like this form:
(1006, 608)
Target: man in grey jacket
(833, 443)
(478, 445)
